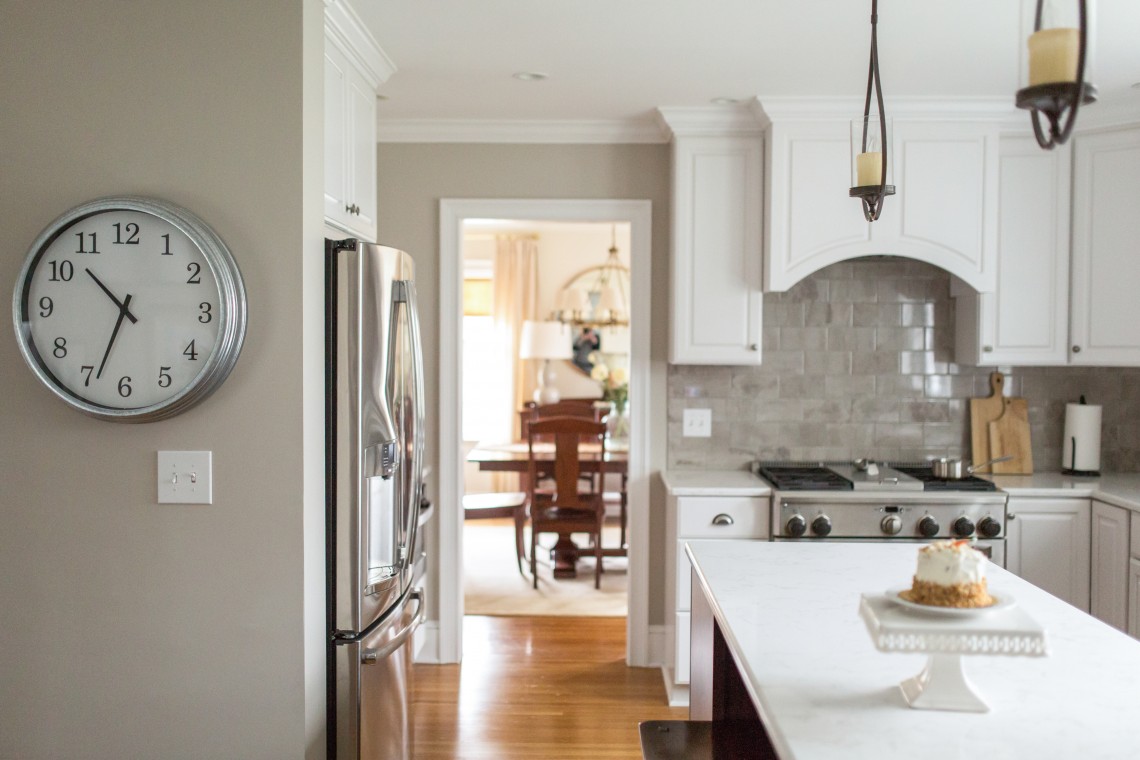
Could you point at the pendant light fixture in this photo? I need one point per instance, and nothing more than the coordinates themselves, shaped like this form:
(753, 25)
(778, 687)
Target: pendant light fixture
(870, 138)
(1058, 60)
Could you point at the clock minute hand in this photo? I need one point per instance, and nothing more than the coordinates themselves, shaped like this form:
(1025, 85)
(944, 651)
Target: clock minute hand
(121, 304)
(124, 311)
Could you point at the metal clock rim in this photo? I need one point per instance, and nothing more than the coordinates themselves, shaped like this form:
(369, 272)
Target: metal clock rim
(232, 307)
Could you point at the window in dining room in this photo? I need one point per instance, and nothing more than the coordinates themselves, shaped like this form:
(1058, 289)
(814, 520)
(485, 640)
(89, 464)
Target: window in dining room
(485, 381)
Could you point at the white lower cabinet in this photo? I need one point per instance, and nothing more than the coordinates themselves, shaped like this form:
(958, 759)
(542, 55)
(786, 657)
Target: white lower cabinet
(1110, 564)
(1047, 544)
(1134, 598)
(689, 518)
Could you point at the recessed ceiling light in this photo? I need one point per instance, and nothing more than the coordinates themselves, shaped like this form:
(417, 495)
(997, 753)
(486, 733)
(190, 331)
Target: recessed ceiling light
(529, 76)
(726, 101)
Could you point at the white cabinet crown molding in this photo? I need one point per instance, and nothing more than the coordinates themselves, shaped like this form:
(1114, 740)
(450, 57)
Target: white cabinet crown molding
(710, 121)
(523, 131)
(353, 38)
(769, 109)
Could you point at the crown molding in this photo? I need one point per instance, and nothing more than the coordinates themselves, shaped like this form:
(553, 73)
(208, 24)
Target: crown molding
(710, 121)
(567, 131)
(346, 29)
(779, 108)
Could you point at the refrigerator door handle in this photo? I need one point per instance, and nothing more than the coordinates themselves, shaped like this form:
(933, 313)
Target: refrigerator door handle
(373, 656)
(404, 292)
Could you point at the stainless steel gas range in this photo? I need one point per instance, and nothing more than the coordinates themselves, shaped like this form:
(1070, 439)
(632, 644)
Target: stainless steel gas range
(869, 501)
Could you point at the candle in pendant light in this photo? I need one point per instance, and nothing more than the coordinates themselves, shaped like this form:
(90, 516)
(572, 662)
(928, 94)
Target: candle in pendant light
(1053, 56)
(869, 168)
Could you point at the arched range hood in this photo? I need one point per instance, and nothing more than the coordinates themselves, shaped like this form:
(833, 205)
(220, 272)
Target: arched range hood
(945, 169)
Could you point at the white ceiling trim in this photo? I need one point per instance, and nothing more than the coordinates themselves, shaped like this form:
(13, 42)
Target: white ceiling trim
(711, 121)
(941, 109)
(353, 37)
(570, 131)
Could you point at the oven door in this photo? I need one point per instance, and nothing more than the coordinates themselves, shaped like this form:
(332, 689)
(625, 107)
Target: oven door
(992, 548)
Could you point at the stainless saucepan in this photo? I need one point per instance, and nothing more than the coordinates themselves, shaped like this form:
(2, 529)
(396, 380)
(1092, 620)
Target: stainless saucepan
(953, 468)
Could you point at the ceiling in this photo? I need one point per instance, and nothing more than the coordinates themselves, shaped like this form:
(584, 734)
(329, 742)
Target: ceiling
(616, 61)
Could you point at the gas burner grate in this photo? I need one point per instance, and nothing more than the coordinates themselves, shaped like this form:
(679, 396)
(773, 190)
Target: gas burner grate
(803, 477)
(925, 473)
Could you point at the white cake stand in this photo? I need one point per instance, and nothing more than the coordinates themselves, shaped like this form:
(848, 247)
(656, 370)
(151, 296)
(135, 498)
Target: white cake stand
(942, 684)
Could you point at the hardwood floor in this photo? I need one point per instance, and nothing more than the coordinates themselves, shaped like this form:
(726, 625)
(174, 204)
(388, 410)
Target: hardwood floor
(540, 687)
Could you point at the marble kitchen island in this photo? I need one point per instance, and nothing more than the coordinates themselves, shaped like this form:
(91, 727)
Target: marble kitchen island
(786, 617)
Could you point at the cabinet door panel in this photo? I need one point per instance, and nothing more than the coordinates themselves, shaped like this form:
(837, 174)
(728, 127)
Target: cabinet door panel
(1048, 545)
(717, 301)
(336, 147)
(1106, 226)
(1134, 598)
(940, 182)
(362, 170)
(1110, 564)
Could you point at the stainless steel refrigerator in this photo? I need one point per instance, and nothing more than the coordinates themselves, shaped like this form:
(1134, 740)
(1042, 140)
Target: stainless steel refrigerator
(374, 473)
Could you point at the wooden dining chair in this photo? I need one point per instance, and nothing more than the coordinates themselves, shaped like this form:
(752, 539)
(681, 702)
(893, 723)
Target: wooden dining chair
(480, 506)
(586, 408)
(565, 508)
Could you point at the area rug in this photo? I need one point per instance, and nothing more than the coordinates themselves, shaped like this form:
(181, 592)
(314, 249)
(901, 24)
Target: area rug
(492, 584)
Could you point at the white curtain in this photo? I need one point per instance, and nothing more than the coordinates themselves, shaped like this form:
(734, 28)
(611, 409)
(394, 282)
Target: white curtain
(514, 301)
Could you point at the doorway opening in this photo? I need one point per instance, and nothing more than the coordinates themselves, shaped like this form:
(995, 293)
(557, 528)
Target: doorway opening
(465, 227)
(546, 320)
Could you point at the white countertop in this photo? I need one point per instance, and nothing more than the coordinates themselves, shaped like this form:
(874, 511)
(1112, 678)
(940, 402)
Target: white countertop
(1119, 488)
(714, 483)
(789, 612)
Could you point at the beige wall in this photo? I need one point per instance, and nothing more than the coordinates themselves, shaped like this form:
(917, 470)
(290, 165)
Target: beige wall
(132, 629)
(413, 179)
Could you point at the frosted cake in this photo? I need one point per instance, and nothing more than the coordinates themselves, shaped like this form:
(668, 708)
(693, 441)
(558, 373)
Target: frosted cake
(949, 574)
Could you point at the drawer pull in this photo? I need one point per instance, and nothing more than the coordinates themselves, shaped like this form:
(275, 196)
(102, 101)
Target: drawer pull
(723, 519)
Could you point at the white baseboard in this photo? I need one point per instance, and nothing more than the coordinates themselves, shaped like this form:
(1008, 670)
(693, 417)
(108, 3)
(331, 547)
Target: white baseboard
(677, 693)
(425, 643)
(655, 646)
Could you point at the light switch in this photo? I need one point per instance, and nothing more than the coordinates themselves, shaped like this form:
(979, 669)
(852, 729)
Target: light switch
(185, 477)
(697, 423)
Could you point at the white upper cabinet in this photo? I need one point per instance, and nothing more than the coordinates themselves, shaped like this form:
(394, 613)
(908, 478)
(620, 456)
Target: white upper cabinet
(355, 67)
(1104, 327)
(1025, 321)
(717, 302)
(945, 172)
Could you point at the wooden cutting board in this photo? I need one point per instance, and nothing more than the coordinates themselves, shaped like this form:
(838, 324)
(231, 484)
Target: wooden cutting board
(983, 411)
(1009, 436)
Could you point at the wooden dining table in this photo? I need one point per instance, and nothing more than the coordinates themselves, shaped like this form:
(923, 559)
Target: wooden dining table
(514, 457)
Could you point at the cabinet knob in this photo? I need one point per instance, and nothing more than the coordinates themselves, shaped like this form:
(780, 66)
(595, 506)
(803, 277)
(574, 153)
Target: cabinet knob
(1010, 516)
(347, 209)
(988, 349)
(753, 346)
(1076, 349)
(723, 519)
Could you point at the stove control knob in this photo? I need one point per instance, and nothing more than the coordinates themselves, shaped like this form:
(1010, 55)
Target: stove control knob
(821, 525)
(929, 527)
(891, 525)
(989, 527)
(796, 526)
(963, 526)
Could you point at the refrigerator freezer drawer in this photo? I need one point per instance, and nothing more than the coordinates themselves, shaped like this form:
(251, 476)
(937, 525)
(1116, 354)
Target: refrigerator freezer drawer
(378, 670)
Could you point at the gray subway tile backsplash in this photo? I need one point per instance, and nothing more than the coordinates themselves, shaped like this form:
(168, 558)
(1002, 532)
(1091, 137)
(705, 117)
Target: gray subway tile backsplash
(858, 361)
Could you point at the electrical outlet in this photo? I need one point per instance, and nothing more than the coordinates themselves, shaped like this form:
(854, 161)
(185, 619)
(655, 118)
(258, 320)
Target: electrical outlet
(697, 423)
(185, 477)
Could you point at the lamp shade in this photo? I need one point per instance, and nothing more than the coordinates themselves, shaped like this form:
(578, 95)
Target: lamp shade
(546, 340)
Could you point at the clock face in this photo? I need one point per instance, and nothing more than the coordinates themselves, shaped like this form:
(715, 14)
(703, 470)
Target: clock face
(129, 312)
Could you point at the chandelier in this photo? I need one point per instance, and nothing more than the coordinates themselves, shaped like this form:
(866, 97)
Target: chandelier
(598, 296)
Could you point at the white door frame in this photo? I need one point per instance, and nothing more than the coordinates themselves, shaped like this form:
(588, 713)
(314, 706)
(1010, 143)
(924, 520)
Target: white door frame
(452, 213)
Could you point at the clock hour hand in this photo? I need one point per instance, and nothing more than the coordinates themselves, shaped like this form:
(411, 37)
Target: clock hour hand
(124, 311)
(121, 304)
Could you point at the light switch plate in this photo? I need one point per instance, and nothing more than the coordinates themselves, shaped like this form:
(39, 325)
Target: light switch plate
(697, 423)
(185, 477)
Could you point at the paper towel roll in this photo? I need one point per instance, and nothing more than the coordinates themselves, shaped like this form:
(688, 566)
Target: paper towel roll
(1080, 451)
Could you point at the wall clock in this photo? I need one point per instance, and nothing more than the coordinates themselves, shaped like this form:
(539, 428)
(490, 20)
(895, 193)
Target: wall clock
(130, 309)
